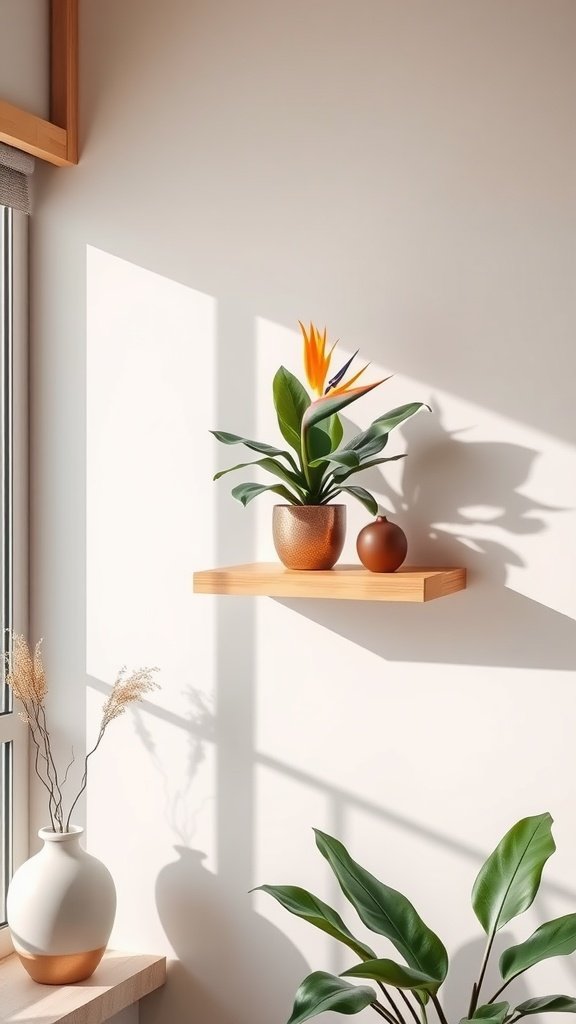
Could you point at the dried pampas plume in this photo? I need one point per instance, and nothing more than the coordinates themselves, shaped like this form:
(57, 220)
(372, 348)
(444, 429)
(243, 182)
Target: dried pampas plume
(26, 678)
(25, 673)
(126, 690)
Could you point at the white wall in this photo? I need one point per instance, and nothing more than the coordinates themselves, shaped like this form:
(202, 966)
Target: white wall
(404, 173)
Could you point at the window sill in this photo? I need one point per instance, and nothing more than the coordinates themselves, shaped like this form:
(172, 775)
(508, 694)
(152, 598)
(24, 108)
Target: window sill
(120, 981)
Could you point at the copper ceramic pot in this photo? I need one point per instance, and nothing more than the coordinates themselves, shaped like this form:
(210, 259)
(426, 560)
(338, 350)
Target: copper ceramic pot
(382, 546)
(309, 536)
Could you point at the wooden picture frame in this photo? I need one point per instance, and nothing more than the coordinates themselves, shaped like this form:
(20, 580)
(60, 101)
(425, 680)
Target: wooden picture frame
(55, 140)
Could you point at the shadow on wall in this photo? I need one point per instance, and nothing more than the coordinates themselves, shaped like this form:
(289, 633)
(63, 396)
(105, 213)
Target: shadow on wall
(234, 966)
(446, 482)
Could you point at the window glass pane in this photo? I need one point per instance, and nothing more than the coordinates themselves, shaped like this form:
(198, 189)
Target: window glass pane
(6, 330)
(6, 333)
(5, 824)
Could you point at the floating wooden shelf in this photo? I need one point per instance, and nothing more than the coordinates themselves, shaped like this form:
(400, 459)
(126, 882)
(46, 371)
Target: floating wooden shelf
(344, 583)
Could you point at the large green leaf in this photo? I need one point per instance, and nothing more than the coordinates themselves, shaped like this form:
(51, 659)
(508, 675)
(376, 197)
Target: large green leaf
(255, 446)
(331, 404)
(490, 1013)
(321, 440)
(546, 1004)
(271, 466)
(363, 496)
(386, 911)
(307, 906)
(390, 973)
(341, 458)
(555, 938)
(388, 421)
(245, 493)
(321, 991)
(336, 431)
(318, 446)
(509, 880)
(370, 442)
(291, 400)
(343, 474)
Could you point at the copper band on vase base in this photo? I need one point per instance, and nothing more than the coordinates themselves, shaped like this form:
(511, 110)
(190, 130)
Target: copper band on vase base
(309, 536)
(64, 969)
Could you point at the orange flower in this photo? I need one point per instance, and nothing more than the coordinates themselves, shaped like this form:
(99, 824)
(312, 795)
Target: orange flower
(316, 359)
(317, 363)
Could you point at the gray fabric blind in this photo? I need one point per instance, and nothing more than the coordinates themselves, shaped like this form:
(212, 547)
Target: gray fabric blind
(15, 170)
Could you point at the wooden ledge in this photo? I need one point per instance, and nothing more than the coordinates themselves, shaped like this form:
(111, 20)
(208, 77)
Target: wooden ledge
(345, 582)
(119, 981)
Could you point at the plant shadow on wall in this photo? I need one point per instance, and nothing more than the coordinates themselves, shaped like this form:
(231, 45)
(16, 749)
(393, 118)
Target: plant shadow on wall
(207, 923)
(455, 499)
(209, 920)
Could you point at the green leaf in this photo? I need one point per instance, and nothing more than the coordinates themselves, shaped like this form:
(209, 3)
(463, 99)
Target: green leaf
(390, 973)
(341, 458)
(255, 446)
(307, 906)
(390, 420)
(343, 474)
(319, 446)
(386, 911)
(321, 991)
(245, 493)
(370, 442)
(271, 466)
(291, 401)
(546, 1004)
(367, 443)
(363, 496)
(336, 431)
(331, 404)
(509, 880)
(490, 1013)
(322, 440)
(555, 938)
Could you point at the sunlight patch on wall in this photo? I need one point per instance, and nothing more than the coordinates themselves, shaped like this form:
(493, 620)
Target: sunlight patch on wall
(146, 529)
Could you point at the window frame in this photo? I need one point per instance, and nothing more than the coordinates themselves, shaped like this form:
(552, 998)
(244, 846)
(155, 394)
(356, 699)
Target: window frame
(14, 516)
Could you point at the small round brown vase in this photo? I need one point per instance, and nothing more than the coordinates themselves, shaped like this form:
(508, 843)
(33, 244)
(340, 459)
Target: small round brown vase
(382, 546)
(309, 536)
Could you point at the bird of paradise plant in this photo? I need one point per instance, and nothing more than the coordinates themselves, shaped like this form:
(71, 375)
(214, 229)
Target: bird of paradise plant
(321, 463)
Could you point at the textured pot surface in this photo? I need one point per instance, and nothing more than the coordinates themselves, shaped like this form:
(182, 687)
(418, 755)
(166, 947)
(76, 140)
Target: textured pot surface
(382, 546)
(61, 906)
(309, 536)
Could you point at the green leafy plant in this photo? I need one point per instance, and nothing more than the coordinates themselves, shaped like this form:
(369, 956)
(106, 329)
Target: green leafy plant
(320, 465)
(505, 887)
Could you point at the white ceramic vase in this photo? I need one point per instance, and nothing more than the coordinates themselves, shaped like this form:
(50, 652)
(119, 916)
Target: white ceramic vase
(61, 905)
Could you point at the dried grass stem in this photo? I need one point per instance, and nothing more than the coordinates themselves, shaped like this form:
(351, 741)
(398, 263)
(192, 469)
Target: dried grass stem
(26, 677)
